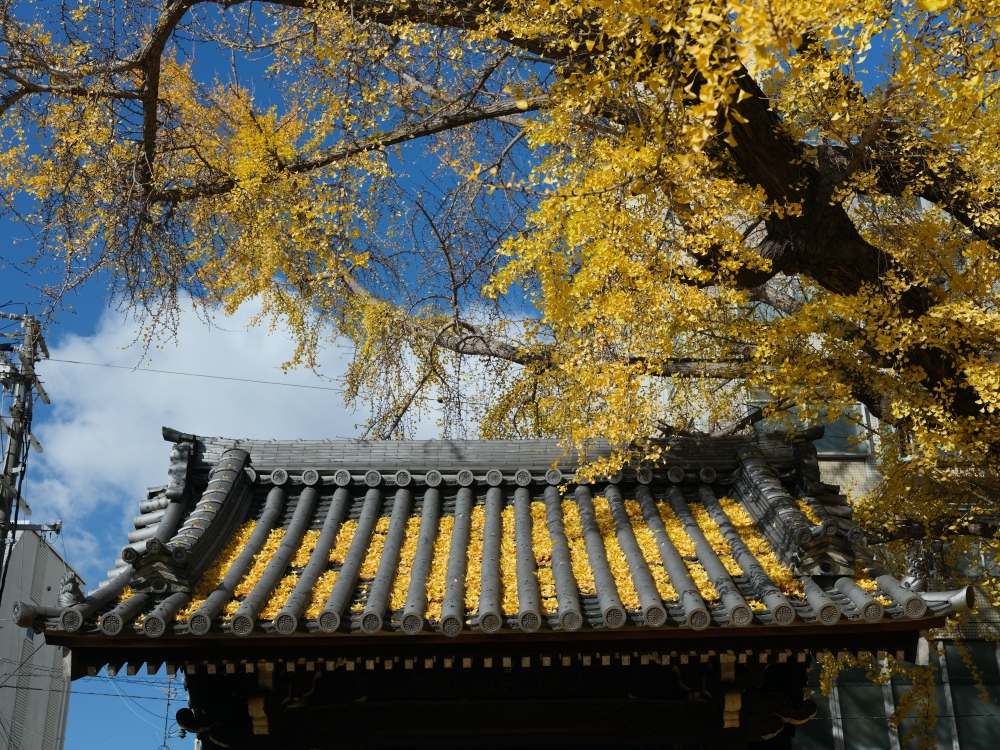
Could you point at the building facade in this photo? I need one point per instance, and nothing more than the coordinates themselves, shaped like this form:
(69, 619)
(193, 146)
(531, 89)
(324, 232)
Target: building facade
(34, 676)
(966, 660)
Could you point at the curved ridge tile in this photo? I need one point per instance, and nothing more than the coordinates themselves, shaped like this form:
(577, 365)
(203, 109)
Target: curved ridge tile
(735, 606)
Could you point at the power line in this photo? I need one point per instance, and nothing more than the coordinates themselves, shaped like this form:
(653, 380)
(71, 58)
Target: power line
(166, 712)
(16, 502)
(197, 375)
(122, 696)
(86, 692)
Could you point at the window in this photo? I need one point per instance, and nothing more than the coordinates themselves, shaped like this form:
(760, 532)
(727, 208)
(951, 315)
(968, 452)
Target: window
(847, 435)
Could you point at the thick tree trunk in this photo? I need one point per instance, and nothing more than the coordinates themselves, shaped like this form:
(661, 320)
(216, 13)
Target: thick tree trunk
(823, 243)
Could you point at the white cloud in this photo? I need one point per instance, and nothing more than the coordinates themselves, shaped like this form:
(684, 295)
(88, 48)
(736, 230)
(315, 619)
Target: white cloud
(101, 435)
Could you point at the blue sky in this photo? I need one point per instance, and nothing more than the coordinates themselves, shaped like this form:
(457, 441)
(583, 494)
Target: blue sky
(102, 444)
(102, 448)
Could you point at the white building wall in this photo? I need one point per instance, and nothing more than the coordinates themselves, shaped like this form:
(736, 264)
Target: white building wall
(34, 676)
(856, 475)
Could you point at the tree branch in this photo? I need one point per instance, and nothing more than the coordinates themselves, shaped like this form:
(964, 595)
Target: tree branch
(436, 123)
(686, 367)
(939, 178)
(780, 299)
(9, 100)
(478, 344)
(822, 241)
(30, 87)
(752, 418)
(164, 26)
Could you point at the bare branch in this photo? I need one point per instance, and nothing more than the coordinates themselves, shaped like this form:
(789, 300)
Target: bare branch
(479, 344)
(755, 416)
(780, 299)
(29, 87)
(503, 155)
(408, 131)
(9, 100)
(868, 136)
(164, 26)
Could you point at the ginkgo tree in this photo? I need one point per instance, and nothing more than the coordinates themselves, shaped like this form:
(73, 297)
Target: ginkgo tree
(584, 219)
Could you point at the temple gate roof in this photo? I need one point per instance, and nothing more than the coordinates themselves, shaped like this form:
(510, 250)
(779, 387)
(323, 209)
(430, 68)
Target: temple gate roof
(466, 539)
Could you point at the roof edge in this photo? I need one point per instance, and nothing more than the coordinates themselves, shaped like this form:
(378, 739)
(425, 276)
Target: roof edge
(176, 436)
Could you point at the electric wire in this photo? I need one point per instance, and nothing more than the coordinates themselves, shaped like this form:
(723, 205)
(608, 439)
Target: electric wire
(5, 728)
(17, 669)
(131, 698)
(17, 511)
(119, 695)
(88, 692)
(143, 718)
(198, 375)
(16, 502)
(166, 714)
(65, 554)
(25, 659)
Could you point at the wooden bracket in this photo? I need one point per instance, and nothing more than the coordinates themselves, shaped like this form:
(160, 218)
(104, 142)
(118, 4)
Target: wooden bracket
(255, 706)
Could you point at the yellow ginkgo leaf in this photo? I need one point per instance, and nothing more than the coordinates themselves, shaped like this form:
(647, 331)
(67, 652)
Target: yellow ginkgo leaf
(934, 6)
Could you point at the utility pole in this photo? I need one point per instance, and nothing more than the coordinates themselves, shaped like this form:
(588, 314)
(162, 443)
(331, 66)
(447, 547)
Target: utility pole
(17, 377)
